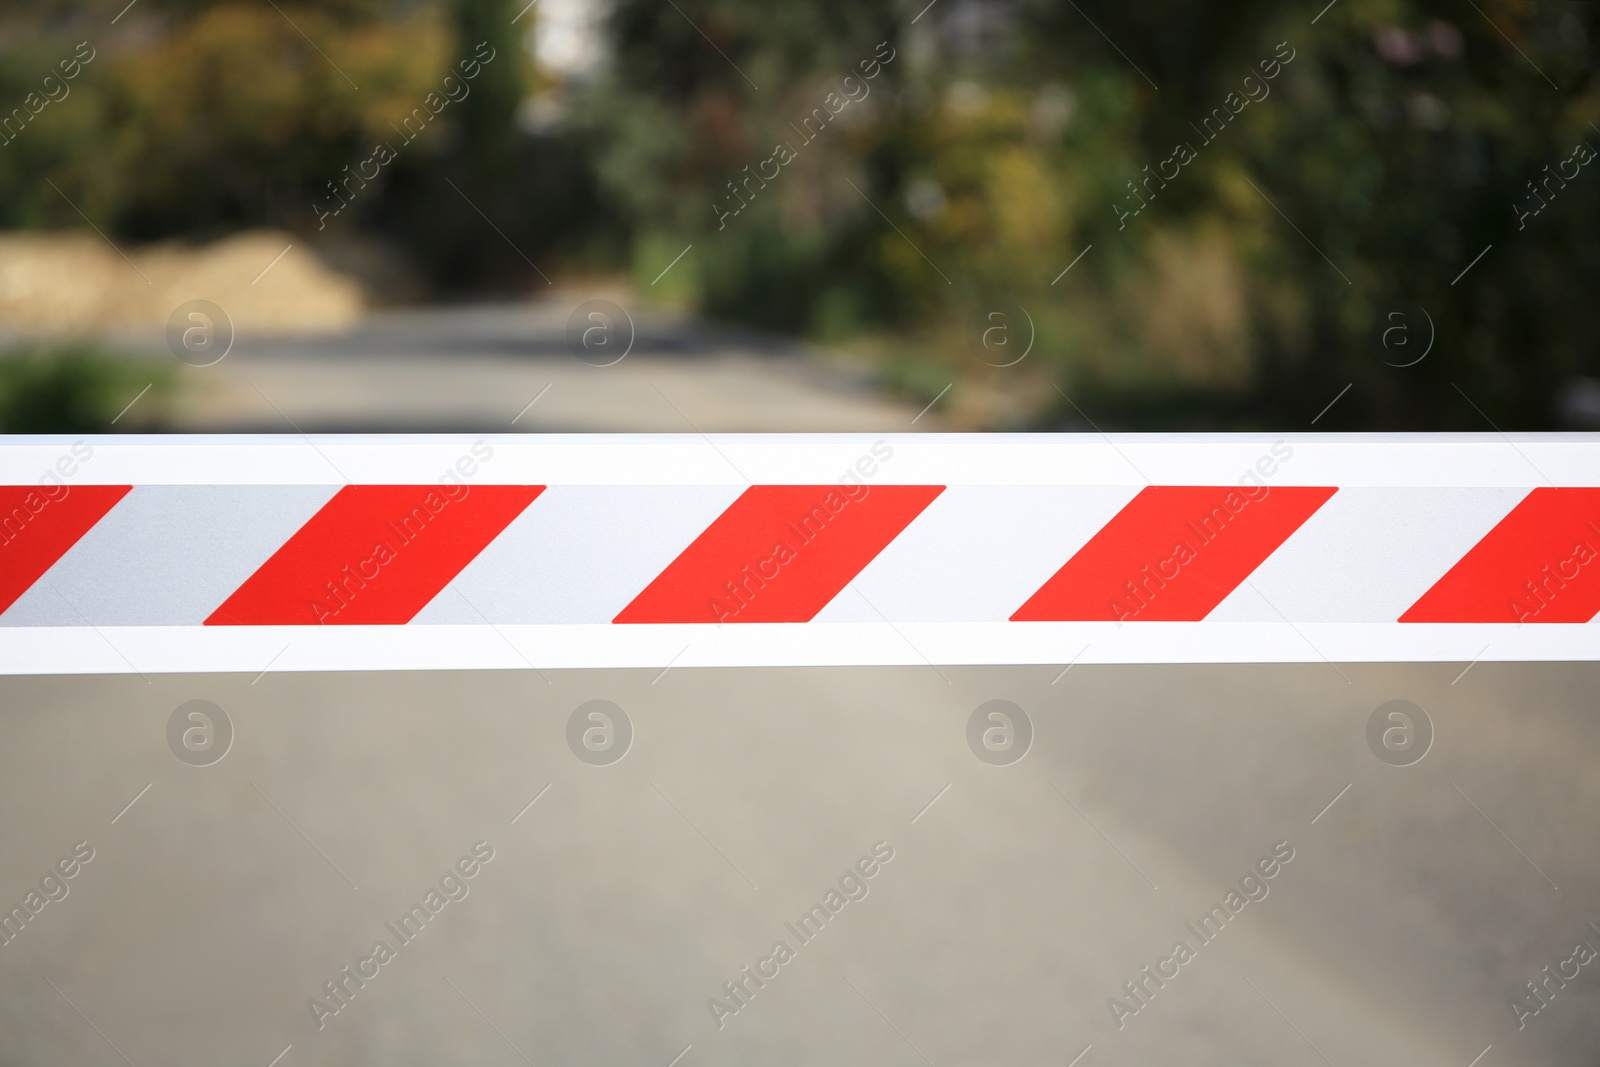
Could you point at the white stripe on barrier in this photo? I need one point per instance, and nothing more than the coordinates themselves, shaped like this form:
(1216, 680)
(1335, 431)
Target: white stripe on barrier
(254, 649)
(1403, 460)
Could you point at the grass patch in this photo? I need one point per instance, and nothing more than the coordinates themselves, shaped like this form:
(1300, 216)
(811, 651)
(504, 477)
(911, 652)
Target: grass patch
(77, 387)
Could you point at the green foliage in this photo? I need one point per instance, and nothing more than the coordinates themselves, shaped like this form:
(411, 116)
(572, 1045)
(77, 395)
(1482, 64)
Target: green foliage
(486, 118)
(75, 387)
(236, 114)
(227, 118)
(1248, 290)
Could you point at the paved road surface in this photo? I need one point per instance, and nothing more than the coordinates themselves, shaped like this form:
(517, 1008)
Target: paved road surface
(1015, 905)
(477, 368)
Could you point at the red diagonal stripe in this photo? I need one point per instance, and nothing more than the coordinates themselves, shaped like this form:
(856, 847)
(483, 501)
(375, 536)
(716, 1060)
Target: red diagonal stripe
(374, 554)
(1172, 554)
(1541, 563)
(39, 523)
(779, 553)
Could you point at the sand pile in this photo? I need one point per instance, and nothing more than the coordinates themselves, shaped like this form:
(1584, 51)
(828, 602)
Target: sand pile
(77, 284)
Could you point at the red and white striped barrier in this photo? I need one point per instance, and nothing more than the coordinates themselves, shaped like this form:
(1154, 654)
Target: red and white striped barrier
(376, 553)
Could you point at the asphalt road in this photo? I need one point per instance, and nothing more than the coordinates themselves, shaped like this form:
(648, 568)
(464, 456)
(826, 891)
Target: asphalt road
(1019, 898)
(508, 367)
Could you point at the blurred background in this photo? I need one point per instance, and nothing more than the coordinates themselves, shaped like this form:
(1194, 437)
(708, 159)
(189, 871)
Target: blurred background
(978, 214)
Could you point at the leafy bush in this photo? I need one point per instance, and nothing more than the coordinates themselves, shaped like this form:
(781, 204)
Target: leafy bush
(1005, 139)
(76, 387)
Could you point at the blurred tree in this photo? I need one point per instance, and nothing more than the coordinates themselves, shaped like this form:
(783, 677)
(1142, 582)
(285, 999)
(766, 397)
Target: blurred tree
(234, 119)
(487, 118)
(1246, 288)
(1392, 154)
(201, 118)
(461, 207)
(225, 119)
(703, 90)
